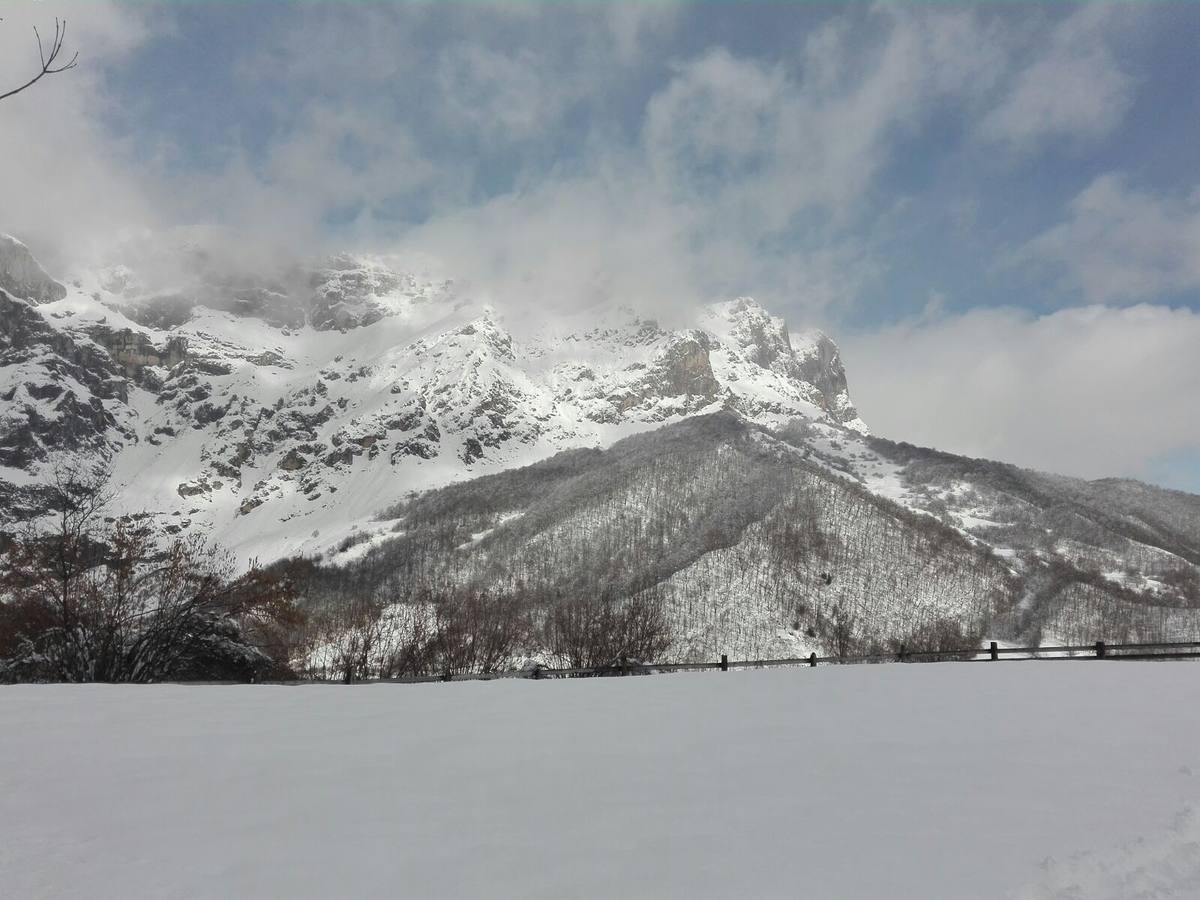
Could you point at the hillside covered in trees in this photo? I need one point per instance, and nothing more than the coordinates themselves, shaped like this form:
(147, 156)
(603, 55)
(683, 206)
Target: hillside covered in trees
(709, 536)
(715, 535)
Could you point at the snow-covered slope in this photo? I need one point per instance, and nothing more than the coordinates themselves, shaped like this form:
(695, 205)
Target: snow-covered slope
(1073, 781)
(760, 542)
(276, 413)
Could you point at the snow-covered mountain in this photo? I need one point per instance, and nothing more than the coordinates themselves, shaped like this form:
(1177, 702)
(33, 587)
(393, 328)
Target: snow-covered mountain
(777, 542)
(418, 442)
(280, 413)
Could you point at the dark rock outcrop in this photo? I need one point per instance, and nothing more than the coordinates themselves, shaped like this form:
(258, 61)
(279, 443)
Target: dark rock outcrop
(134, 351)
(823, 369)
(44, 412)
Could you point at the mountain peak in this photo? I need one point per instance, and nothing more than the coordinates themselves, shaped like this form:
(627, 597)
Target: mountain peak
(763, 336)
(812, 361)
(22, 276)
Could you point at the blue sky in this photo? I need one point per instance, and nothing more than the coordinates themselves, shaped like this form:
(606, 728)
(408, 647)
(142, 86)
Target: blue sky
(995, 209)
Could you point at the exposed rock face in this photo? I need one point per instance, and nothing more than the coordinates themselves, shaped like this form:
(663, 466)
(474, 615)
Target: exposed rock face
(21, 275)
(687, 370)
(682, 372)
(813, 360)
(134, 351)
(349, 292)
(821, 366)
(198, 488)
(293, 461)
(343, 292)
(763, 336)
(56, 391)
(160, 312)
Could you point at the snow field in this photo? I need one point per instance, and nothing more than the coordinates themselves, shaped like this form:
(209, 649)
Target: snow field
(926, 781)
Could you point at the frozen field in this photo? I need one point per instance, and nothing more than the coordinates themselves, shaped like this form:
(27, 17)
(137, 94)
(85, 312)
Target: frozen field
(956, 781)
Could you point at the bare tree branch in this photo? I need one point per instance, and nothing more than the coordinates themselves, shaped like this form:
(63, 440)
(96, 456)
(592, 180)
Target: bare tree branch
(48, 60)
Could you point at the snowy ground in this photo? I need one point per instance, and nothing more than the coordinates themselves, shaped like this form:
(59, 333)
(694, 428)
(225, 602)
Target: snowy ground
(1033, 780)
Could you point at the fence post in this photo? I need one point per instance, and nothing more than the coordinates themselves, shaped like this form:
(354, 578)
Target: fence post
(812, 660)
(724, 662)
(993, 648)
(1100, 651)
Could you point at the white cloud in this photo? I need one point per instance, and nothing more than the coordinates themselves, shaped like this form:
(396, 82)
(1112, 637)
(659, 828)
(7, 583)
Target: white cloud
(1073, 89)
(569, 242)
(731, 174)
(631, 26)
(733, 152)
(704, 201)
(1121, 244)
(63, 179)
(500, 83)
(339, 158)
(502, 96)
(1090, 391)
(769, 142)
(492, 71)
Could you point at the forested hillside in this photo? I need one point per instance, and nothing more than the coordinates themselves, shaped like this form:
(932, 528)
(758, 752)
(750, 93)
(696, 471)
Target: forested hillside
(715, 535)
(1113, 559)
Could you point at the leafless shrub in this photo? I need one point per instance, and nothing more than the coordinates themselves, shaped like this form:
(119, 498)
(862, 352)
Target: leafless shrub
(598, 632)
(478, 632)
(838, 630)
(942, 636)
(87, 598)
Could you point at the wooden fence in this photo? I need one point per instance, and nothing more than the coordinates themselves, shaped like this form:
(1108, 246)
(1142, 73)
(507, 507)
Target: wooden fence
(993, 653)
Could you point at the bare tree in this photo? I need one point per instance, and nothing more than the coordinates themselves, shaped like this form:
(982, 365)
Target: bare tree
(593, 632)
(477, 631)
(354, 635)
(49, 58)
(84, 597)
(840, 632)
(458, 630)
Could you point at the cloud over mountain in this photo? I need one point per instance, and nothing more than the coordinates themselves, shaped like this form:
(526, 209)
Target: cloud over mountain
(563, 158)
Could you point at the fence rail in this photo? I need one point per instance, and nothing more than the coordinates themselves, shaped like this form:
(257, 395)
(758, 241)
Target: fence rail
(992, 653)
